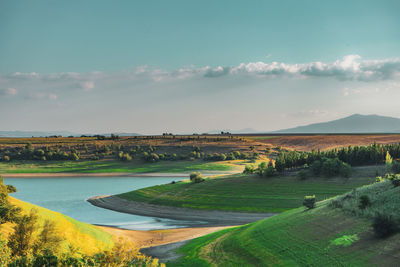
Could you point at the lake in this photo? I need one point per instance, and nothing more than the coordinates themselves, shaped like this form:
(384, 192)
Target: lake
(69, 195)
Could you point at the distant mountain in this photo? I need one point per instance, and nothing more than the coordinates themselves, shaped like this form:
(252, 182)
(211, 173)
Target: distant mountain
(51, 133)
(353, 124)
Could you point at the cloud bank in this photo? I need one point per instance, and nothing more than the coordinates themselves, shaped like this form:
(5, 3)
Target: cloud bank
(350, 67)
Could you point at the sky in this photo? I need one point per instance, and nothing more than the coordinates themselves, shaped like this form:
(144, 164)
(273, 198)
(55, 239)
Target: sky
(150, 67)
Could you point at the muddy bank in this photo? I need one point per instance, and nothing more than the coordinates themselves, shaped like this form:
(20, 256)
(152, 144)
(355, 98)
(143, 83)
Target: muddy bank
(165, 252)
(204, 217)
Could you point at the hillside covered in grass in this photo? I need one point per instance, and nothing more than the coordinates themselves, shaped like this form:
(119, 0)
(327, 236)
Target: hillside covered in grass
(335, 233)
(79, 236)
(109, 165)
(34, 236)
(242, 192)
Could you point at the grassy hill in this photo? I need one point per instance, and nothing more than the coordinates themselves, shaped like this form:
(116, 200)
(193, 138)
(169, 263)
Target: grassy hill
(251, 193)
(83, 237)
(335, 233)
(103, 166)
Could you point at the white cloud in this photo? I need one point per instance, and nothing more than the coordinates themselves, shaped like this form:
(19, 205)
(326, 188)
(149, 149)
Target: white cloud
(88, 85)
(345, 91)
(9, 91)
(350, 67)
(52, 96)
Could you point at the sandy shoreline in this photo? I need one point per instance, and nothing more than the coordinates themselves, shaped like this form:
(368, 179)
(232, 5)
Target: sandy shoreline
(106, 174)
(145, 239)
(211, 217)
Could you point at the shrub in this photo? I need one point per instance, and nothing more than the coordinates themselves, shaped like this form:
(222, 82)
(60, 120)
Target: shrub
(364, 202)
(309, 201)
(249, 169)
(316, 167)
(195, 175)
(331, 167)
(198, 180)
(384, 225)
(302, 174)
(396, 180)
(11, 188)
(345, 170)
(261, 168)
(396, 167)
(270, 171)
(379, 179)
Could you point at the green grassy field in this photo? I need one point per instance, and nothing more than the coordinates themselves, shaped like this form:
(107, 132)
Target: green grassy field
(102, 166)
(323, 236)
(249, 192)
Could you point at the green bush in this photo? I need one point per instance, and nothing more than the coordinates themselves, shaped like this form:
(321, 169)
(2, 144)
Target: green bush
(309, 201)
(384, 225)
(249, 169)
(302, 174)
(331, 167)
(270, 171)
(196, 177)
(364, 202)
(396, 167)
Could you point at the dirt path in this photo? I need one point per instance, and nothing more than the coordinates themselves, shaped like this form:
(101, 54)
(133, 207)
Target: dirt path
(211, 217)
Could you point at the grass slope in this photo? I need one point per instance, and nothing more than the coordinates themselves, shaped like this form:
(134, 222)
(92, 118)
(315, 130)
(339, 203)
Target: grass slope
(84, 237)
(249, 192)
(324, 236)
(103, 166)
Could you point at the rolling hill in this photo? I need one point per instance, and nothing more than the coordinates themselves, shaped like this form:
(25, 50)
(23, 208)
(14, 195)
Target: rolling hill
(356, 123)
(335, 233)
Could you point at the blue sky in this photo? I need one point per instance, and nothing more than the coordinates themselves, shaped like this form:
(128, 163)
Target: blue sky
(184, 66)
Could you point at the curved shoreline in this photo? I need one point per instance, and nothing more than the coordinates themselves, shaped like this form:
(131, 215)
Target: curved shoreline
(104, 174)
(203, 217)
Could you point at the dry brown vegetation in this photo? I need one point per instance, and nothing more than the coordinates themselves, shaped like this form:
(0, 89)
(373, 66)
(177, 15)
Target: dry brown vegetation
(181, 145)
(325, 142)
(86, 146)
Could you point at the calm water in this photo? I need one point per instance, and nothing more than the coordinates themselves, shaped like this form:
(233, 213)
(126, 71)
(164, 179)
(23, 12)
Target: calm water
(68, 196)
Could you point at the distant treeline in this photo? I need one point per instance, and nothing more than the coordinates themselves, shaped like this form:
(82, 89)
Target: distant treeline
(146, 153)
(45, 153)
(353, 155)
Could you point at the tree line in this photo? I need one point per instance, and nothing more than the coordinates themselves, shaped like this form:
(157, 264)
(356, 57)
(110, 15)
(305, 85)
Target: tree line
(353, 155)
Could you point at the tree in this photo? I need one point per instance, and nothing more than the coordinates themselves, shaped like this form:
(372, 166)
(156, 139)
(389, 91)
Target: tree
(8, 212)
(261, 168)
(309, 201)
(21, 241)
(11, 189)
(48, 239)
(196, 177)
(249, 169)
(388, 161)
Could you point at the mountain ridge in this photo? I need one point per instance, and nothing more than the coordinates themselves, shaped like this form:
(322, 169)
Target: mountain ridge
(356, 123)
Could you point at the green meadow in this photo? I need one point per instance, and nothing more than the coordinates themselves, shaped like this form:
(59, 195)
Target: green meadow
(103, 166)
(323, 236)
(240, 192)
